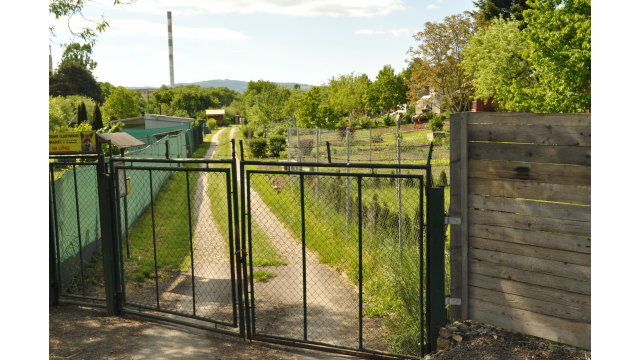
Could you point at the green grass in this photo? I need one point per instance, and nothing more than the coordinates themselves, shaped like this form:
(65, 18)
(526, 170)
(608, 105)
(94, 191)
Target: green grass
(171, 218)
(264, 254)
(262, 276)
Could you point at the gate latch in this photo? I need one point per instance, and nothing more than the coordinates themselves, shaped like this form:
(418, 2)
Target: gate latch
(452, 301)
(452, 220)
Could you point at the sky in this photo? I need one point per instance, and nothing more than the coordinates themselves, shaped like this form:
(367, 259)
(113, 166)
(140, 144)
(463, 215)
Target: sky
(298, 41)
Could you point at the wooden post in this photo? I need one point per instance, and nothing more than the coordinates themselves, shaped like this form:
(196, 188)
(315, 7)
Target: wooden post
(464, 212)
(455, 206)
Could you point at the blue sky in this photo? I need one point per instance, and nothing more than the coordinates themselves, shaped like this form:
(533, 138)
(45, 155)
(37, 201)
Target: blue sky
(276, 40)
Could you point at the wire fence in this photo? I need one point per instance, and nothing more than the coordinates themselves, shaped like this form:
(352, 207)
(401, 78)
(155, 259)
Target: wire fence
(74, 189)
(381, 145)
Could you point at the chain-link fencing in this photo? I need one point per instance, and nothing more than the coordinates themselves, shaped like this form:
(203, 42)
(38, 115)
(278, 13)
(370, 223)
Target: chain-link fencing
(75, 205)
(379, 145)
(344, 257)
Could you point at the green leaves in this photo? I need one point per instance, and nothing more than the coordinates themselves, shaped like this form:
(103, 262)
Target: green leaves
(80, 54)
(312, 113)
(121, 104)
(388, 91)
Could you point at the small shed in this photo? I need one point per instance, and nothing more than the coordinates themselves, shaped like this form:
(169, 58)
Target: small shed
(217, 114)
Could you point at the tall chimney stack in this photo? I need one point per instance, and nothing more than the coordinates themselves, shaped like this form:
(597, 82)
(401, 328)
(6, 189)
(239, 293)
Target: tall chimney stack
(50, 61)
(170, 47)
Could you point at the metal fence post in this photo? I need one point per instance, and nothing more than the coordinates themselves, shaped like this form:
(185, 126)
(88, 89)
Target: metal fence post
(109, 256)
(348, 181)
(399, 191)
(435, 252)
(298, 143)
(370, 149)
(166, 144)
(317, 160)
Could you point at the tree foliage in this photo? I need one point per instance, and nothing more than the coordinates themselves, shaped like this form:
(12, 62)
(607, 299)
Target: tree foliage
(82, 113)
(544, 68)
(66, 9)
(74, 79)
(121, 104)
(106, 88)
(313, 113)
(265, 103)
(437, 62)
(97, 119)
(500, 9)
(387, 91)
(346, 92)
(80, 54)
(494, 60)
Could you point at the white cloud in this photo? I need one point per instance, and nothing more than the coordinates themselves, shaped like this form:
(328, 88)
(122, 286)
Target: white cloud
(431, 7)
(399, 32)
(139, 26)
(348, 8)
(394, 32)
(141, 48)
(439, 1)
(369, 32)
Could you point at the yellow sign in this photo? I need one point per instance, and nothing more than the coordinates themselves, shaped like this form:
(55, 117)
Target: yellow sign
(72, 142)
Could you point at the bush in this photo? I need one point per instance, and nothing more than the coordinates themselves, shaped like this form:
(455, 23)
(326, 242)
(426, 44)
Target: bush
(441, 180)
(388, 121)
(276, 144)
(244, 130)
(436, 123)
(212, 124)
(376, 139)
(364, 122)
(258, 147)
(342, 131)
(280, 130)
(306, 145)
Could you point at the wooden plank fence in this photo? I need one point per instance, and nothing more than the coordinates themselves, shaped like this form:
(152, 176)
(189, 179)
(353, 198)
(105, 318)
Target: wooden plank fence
(521, 257)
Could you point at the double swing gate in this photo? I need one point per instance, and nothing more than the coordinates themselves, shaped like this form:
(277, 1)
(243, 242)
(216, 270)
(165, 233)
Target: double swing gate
(327, 256)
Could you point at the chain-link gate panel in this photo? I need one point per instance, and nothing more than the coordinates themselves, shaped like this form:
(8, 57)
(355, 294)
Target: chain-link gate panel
(176, 237)
(325, 249)
(76, 223)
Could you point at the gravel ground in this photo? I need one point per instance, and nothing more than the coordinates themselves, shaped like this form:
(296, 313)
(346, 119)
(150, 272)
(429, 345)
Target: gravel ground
(506, 345)
(77, 332)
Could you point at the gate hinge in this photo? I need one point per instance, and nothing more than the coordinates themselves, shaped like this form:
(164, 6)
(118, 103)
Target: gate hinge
(452, 301)
(242, 256)
(452, 220)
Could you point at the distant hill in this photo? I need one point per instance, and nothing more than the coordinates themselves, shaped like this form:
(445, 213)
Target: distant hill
(237, 85)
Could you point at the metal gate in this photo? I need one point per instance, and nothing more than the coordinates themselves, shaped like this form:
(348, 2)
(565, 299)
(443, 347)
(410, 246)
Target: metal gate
(293, 257)
(174, 228)
(320, 242)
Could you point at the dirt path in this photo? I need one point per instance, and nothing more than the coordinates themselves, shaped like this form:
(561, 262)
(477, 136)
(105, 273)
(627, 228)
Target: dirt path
(332, 302)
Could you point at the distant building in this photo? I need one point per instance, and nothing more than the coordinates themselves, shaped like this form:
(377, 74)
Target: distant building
(153, 121)
(216, 114)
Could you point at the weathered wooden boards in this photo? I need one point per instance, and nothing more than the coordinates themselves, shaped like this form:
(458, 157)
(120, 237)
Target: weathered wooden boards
(521, 184)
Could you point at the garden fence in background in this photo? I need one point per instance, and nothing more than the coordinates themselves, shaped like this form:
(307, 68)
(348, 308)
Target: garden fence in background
(379, 145)
(75, 208)
(521, 196)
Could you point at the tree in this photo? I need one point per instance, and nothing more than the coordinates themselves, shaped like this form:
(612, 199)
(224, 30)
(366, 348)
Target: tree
(57, 117)
(121, 104)
(82, 113)
(493, 58)
(559, 37)
(74, 79)
(312, 113)
(265, 102)
(346, 92)
(97, 118)
(388, 91)
(69, 8)
(437, 62)
(106, 88)
(80, 54)
(500, 9)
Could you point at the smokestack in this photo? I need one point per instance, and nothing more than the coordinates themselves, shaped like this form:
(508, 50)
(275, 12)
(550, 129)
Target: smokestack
(170, 47)
(50, 61)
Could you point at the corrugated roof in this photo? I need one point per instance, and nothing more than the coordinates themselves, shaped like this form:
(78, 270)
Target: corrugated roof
(215, 112)
(121, 140)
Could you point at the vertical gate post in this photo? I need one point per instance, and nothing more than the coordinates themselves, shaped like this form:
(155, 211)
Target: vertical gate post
(436, 263)
(109, 256)
(399, 192)
(317, 160)
(348, 181)
(53, 274)
(241, 270)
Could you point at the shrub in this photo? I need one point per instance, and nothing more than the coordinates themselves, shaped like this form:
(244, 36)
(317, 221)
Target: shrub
(212, 124)
(363, 121)
(343, 132)
(376, 139)
(244, 130)
(258, 147)
(276, 144)
(388, 121)
(442, 180)
(306, 145)
(436, 123)
(280, 130)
